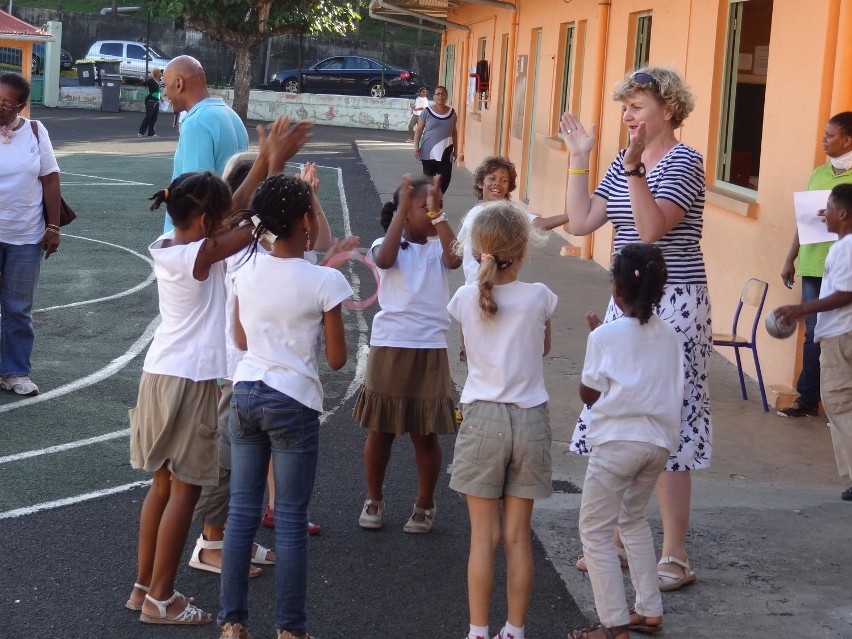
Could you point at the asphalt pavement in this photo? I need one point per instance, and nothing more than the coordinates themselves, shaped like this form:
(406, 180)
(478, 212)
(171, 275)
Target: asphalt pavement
(769, 535)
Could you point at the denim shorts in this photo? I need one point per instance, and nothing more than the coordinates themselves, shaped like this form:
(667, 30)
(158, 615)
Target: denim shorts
(502, 449)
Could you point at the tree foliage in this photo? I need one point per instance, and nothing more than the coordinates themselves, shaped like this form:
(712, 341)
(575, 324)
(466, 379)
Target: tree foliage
(243, 24)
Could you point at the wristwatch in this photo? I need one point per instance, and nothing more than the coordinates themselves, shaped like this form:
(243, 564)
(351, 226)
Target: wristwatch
(638, 171)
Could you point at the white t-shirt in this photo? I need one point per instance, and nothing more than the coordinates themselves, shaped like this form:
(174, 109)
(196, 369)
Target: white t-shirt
(413, 296)
(837, 277)
(504, 351)
(420, 103)
(189, 342)
(281, 306)
(469, 264)
(22, 162)
(638, 369)
(232, 265)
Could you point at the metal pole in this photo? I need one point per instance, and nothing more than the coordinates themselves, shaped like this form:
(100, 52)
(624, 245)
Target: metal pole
(384, 41)
(299, 65)
(148, 42)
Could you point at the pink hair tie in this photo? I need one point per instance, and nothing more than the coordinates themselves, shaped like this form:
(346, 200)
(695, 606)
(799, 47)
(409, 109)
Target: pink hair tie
(486, 256)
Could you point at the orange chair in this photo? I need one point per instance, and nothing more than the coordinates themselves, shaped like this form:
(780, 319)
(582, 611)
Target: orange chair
(754, 294)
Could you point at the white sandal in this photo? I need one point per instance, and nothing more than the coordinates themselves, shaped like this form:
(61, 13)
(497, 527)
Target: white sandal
(259, 557)
(373, 522)
(189, 616)
(132, 605)
(671, 581)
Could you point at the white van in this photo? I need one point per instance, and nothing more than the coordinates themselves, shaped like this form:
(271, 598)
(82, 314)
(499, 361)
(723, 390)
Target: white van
(132, 56)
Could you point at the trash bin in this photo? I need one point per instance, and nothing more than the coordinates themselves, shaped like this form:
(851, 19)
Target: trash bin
(104, 67)
(110, 92)
(85, 73)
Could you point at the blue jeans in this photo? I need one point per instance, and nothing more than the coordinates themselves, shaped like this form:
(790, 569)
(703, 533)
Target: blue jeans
(808, 385)
(266, 423)
(19, 269)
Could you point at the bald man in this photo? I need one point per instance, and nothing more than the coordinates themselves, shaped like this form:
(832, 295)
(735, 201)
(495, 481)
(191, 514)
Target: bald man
(211, 132)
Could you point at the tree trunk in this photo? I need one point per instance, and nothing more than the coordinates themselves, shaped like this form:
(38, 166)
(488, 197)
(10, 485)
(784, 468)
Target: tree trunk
(242, 79)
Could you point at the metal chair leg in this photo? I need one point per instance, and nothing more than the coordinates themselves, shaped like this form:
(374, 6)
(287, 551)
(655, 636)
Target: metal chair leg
(760, 380)
(740, 371)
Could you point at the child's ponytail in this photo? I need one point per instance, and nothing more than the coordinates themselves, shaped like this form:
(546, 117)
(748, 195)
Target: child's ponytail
(192, 194)
(485, 278)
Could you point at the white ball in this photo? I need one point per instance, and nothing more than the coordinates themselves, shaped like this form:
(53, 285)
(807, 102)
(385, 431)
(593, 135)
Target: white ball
(776, 328)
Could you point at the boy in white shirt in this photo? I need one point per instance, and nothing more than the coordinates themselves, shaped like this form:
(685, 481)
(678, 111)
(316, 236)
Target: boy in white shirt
(834, 328)
(420, 103)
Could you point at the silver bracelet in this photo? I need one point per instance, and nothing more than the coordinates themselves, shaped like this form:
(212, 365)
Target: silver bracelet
(441, 218)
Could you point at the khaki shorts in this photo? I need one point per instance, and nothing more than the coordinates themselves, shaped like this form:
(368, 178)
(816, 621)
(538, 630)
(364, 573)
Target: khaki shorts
(502, 449)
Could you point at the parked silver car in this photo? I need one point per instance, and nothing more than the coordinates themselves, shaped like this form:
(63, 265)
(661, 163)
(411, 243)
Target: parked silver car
(132, 56)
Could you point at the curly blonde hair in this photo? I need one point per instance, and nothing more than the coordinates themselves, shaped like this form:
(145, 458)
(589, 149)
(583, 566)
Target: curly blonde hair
(668, 88)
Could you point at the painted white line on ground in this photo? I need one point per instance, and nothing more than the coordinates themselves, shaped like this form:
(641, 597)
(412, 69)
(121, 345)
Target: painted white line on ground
(104, 184)
(59, 448)
(100, 177)
(150, 280)
(98, 376)
(48, 505)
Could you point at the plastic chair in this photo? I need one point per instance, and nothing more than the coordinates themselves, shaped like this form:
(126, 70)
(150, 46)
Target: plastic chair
(754, 294)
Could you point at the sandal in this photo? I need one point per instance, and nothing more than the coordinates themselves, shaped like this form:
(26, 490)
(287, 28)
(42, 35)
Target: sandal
(201, 544)
(374, 521)
(641, 624)
(189, 616)
(622, 559)
(671, 581)
(608, 633)
(414, 526)
(134, 605)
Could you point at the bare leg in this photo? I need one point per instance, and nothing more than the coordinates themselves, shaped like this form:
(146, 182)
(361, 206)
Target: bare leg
(674, 492)
(171, 538)
(149, 525)
(484, 537)
(377, 452)
(517, 517)
(427, 454)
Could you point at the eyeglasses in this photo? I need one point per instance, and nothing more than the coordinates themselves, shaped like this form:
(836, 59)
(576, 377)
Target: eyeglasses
(8, 106)
(644, 79)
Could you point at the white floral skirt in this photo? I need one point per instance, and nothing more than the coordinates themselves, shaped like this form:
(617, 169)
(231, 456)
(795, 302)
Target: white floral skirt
(687, 308)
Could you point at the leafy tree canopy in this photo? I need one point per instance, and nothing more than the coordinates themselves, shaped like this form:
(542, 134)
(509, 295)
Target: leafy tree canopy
(249, 22)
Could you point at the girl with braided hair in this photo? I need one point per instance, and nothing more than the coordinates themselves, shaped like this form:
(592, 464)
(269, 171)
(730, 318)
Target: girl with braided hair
(633, 382)
(277, 397)
(503, 448)
(173, 428)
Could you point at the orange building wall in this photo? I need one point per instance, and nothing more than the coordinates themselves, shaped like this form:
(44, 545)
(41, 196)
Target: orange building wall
(744, 236)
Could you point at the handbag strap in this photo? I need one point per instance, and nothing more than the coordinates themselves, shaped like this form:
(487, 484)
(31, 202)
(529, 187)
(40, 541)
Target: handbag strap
(34, 125)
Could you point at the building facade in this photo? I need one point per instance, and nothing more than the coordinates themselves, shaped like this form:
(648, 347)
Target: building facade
(767, 75)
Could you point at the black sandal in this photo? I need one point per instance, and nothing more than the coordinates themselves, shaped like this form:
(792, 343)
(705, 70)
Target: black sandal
(642, 624)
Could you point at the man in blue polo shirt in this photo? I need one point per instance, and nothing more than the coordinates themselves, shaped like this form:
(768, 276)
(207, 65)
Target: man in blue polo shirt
(211, 132)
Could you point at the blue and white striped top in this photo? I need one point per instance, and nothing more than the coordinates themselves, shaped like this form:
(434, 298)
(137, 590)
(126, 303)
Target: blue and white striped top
(678, 177)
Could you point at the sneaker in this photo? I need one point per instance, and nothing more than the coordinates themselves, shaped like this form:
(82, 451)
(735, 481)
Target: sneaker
(846, 495)
(22, 385)
(797, 411)
(373, 522)
(286, 634)
(234, 631)
(139, 135)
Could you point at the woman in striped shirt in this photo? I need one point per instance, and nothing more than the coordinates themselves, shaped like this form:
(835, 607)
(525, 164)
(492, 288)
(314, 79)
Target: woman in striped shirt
(653, 192)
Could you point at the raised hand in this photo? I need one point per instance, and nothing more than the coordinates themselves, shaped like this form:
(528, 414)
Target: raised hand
(283, 141)
(633, 155)
(593, 320)
(405, 190)
(342, 246)
(434, 197)
(578, 140)
(309, 174)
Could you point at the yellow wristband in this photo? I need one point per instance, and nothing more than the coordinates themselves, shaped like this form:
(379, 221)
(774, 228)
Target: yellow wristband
(434, 214)
(577, 171)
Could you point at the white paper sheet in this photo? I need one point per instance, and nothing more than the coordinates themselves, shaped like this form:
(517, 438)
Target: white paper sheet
(811, 225)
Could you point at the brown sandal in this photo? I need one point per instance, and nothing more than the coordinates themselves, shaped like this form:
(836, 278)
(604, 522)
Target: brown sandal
(608, 633)
(641, 624)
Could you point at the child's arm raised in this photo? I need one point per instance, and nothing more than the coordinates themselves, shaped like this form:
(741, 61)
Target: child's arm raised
(335, 338)
(309, 175)
(274, 149)
(445, 231)
(385, 254)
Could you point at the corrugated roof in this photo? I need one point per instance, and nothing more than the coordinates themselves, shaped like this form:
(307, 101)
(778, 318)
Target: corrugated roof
(10, 25)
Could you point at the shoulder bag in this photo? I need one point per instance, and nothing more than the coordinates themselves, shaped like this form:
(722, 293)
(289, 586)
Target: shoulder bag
(66, 213)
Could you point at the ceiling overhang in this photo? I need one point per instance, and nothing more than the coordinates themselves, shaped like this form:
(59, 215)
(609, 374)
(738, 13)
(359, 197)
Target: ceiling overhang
(410, 13)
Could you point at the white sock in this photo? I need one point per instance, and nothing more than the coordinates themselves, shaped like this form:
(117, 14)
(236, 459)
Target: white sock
(511, 632)
(478, 632)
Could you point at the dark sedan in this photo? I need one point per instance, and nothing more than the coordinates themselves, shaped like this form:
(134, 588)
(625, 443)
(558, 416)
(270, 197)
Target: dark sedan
(348, 75)
(10, 58)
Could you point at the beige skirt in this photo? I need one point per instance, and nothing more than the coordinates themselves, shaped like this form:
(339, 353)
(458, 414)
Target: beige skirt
(407, 390)
(174, 427)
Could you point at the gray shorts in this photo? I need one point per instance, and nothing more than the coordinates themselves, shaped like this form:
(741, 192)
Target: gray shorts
(502, 449)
